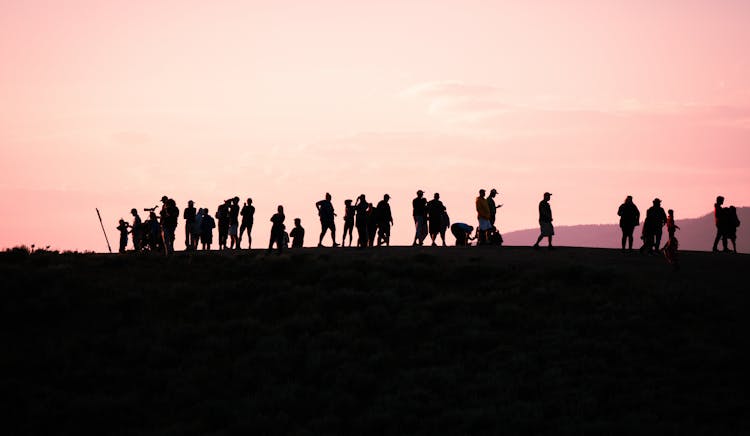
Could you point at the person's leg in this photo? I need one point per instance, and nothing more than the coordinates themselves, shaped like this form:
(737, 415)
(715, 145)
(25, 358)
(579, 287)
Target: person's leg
(624, 238)
(549, 241)
(538, 240)
(657, 244)
(716, 240)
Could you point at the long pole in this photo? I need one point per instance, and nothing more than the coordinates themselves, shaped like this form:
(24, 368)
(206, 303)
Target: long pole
(104, 231)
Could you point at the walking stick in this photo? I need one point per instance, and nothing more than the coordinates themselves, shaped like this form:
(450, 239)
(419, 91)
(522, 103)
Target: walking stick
(105, 232)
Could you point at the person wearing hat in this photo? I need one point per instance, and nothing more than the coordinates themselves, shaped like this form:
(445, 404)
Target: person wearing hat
(189, 216)
(136, 233)
(419, 212)
(349, 212)
(492, 206)
(385, 220)
(545, 222)
(483, 216)
(652, 225)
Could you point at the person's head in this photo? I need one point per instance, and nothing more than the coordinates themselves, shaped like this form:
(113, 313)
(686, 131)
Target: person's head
(122, 221)
(171, 203)
(657, 202)
(386, 197)
(670, 212)
(190, 203)
(493, 192)
(436, 196)
(228, 201)
(164, 198)
(547, 196)
(236, 200)
(249, 201)
(629, 199)
(280, 209)
(420, 193)
(152, 215)
(348, 202)
(362, 197)
(482, 193)
(719, 200)
(297, 222)
(328, 196)
(134, 212)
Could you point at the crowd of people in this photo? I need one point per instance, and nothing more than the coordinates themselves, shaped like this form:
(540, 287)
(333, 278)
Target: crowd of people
(373, 223)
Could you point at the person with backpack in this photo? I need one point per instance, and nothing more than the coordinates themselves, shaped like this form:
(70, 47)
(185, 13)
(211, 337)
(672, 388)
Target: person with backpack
(630, 217)
(732, 222)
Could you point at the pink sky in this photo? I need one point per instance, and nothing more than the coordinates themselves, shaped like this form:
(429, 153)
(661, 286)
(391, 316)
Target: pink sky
(113, 104)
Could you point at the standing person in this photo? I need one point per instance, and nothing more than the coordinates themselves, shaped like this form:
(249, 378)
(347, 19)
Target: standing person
(170, 224)
(492, 206)
(123, 228)
(297, 234)
(348, 222)
(670, 249)
(137, 232)
(360, 208)
(733, 222)
(222, 216)
(652, 227)
(327, 215)
(207, 230)
(385, 220)
(445, 222)
(720, 220)
(419, 212)
(372, 224)
(435, 210)
(156, 240)
(630, 217)
(545, 221)
(483, 216)
(234, 222)
(195, 230)
(189, 216)
(248, 215)
(277, 230)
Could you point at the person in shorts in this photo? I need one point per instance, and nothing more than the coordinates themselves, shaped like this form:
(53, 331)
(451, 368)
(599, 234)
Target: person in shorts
(545, 222)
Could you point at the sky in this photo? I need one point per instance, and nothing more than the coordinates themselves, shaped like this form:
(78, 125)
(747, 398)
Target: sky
(112, 104)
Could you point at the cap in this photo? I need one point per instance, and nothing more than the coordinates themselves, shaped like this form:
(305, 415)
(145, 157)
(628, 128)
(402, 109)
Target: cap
(420, 192)
(656, 200)
(386, 196)
(191, 202)
(493, 191)
(547, 193)
(164, 198)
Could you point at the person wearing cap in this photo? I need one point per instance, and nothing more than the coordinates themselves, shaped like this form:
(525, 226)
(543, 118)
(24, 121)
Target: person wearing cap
(652, 227)
(189, 216)
(169, 223)
(349, 212)
(435, 210)
(248, 215)
(385, 220)
(483, 216)
(419, 212)
(545, 222)
(492, 206)
(327, 215)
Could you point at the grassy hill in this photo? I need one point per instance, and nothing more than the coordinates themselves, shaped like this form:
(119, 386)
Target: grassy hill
(694, 234)
(382, 341)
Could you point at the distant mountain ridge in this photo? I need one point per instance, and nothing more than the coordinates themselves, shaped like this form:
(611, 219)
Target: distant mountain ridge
(694, 234)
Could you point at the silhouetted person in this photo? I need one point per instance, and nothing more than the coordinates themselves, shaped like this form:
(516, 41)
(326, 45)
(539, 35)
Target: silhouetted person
(462, 233)
(196, 228)
(492, 206)
(372, 225)
(483, 216)
(652, 227)
(419, 212)
(733, 222)
(327, 215)
(222, 216)
(155, 233)
(137, 232)
(189, 216)
(720, 220)
(248, 215)
(435, 210)
(277, 230)
(630, 217)
(385, 220)
(297, 234)
(207, 230)
(169, 216)
(348, 222)
(233, 210)
(670, 249)
(360, 208)
(445, 223)
(123, 227)
(545, 221)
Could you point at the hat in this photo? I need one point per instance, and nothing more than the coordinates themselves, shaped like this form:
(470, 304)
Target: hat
(420, 192)
(191, 202)
(656, 200)
(164, 198)
(493, 191)
(386, 196)
(547, 193)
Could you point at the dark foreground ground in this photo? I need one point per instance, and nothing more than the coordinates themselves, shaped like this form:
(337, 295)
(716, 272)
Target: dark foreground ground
(390, 341)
